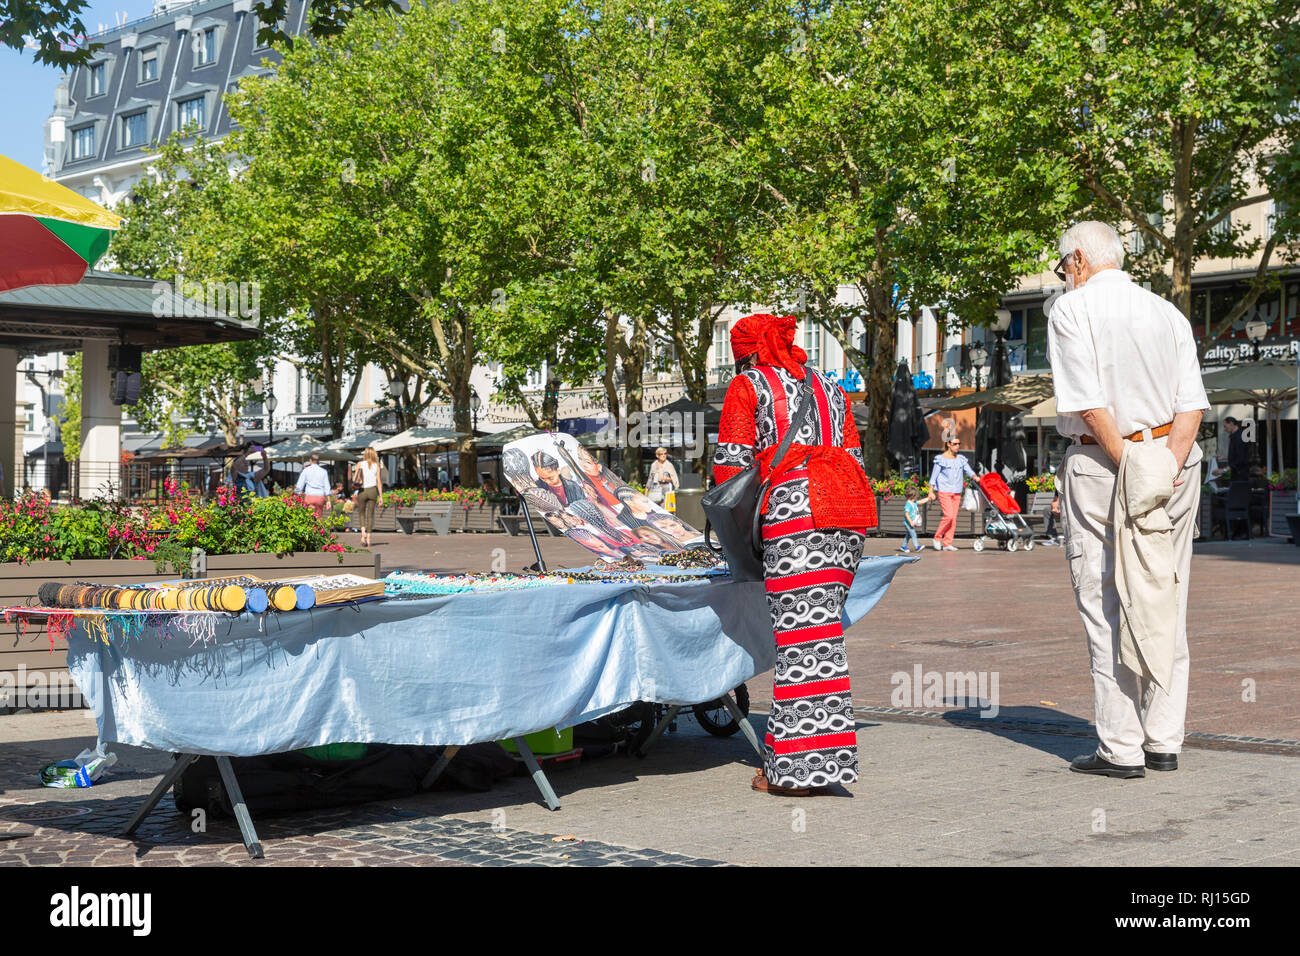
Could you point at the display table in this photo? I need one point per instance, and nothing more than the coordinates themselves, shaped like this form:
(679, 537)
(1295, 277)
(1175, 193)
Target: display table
(434, 671)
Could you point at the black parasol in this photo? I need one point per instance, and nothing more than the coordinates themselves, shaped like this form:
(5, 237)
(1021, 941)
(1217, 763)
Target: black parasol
(907, 431)
(1000, 430)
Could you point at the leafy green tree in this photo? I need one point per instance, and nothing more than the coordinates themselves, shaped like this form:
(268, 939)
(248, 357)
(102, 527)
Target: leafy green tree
(70, 425)
(885, 174)
(56, 28)
(178, 232)
(1173, 117)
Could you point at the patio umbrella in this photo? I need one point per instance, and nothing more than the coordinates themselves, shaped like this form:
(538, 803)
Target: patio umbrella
(419, 437)
(49, 235)
(294, 449)
(1018, 394)
(907, 431)
(357, 442)
(502, 438)
(1271, 385)
(998, 430)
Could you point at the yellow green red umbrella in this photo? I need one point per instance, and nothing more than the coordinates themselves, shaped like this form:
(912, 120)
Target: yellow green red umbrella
(49, 235)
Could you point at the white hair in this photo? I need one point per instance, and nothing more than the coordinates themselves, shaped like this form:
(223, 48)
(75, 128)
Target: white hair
(1099, 242)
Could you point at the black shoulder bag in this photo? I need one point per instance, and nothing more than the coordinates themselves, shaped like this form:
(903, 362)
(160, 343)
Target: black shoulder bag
(732, 512)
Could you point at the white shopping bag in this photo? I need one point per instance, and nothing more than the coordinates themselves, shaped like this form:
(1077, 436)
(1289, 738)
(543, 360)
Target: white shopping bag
(968, 501)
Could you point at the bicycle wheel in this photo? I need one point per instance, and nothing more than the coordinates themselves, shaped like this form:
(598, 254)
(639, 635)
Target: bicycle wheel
(716, 719)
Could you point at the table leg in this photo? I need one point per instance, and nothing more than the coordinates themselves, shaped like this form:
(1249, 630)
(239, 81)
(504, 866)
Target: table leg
(539, 777)
(439, 766)
(746, 727)
(182, 763)
(245, 821)
(669, 716)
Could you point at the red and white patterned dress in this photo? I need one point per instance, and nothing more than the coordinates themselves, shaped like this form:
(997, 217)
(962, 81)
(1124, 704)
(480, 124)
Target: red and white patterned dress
(811, 740)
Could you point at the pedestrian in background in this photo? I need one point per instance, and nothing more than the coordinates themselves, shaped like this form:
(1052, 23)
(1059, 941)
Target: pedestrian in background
(911, 521)
(947, 480)
(366, 474)
(314, 485)
(1238, 458)
(1129, 394)
(663, 478)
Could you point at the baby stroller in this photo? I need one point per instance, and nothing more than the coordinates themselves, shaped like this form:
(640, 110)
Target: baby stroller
(1003, 521)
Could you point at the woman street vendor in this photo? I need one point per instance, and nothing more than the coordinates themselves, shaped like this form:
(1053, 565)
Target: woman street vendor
(816, 513)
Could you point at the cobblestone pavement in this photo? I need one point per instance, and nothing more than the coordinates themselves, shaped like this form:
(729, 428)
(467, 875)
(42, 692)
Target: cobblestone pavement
(1014, 615)
(940, 784)
(929, 795)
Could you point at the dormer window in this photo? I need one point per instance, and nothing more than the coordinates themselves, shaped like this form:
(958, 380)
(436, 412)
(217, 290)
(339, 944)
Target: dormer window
(135, 129)
(83, 142)
(149, 64)
(192, 111)
(205, 46)
(98, 78)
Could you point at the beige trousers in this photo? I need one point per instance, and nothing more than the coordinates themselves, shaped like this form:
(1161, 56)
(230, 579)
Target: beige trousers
(1131, 714)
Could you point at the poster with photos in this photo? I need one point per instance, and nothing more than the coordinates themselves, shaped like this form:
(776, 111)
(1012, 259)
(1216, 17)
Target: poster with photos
(589, 504)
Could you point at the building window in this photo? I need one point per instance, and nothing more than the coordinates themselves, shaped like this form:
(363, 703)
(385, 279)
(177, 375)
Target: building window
(149, 65)
(722, 345)
(205, 47)
(281, 25)
(83, 142)
(1278, 210)
(98, 79)
(135, 129)
(1036, 339)
(191, 111)
(812, 343)
(1138, 241)
(1223, 228)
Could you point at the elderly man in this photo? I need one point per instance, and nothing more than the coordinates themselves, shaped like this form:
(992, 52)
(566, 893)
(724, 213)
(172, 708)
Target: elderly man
(1127, 378)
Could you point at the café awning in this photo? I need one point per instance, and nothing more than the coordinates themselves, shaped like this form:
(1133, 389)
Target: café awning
(1016, 396)
(419, 437)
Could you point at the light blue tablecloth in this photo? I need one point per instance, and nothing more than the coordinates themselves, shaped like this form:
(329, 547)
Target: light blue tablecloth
(454, 669)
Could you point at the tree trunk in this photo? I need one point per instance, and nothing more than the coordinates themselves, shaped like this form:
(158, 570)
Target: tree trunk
(1181, 257)
(634, 394)
(878, 382)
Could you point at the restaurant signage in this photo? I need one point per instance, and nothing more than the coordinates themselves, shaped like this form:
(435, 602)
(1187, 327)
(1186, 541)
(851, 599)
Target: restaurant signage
(1232, 352)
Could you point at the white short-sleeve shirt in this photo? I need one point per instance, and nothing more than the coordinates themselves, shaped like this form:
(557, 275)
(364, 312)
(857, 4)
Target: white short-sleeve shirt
(1114, 345)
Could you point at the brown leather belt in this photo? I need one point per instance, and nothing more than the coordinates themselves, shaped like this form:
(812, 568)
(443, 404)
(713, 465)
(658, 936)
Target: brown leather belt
(1158, 432)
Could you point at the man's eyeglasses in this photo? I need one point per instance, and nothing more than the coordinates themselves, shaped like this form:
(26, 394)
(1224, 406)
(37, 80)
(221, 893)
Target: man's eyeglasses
(1060, 266)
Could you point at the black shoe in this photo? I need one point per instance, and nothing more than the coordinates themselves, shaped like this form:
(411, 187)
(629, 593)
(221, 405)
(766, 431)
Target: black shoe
(1091, 763)
(1161, 761)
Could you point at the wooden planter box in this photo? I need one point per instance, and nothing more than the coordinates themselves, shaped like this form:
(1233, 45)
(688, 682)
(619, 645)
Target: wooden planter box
(889, 513)
(19, 583)
(478, 517)
(1282, 504)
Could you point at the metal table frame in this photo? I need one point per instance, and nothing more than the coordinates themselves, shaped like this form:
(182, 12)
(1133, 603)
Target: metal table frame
(245, 820)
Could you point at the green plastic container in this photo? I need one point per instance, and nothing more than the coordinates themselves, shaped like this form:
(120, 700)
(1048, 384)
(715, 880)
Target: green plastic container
(545, 742)
(343, 751)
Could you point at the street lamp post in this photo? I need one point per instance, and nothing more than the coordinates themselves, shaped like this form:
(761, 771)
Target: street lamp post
(48, 432)
(978, 356)
(271, 403)
(475, 403)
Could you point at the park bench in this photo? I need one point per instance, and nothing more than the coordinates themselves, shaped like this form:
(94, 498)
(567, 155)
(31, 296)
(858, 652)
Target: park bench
(512, 524)
(437, 513)
(1039, 507)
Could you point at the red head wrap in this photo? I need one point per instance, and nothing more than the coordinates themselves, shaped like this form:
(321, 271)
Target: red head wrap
(772, 337)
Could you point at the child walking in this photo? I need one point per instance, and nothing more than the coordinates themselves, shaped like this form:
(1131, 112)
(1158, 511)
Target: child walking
(911, 521)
